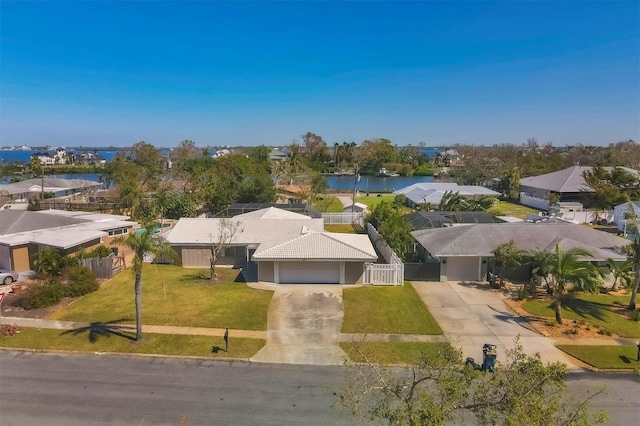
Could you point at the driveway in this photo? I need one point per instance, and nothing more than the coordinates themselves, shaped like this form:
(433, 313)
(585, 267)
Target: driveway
(303, 326)
(472, 315)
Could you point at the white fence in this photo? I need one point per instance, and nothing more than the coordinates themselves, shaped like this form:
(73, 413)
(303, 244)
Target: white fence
(536, 203)
(391, 273)
(346, 218)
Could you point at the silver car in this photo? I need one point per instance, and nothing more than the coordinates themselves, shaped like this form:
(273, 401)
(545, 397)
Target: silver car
(7, 276)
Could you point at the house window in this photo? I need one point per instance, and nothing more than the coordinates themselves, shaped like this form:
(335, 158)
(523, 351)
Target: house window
(234, 251)
(120, 231)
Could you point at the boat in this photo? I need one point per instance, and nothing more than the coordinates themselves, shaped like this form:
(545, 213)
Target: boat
(383, 172)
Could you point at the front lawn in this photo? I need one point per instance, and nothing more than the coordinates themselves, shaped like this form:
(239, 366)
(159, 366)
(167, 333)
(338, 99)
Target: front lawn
(374, 199)
(352, 228)
(386, 309)
(505, 208)
(388, 353)
(615, 357)
(329, 204)
(594, 308)
(106, 341)
(190, 301)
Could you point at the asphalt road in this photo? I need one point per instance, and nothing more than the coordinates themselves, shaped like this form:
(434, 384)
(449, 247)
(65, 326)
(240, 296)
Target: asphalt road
(68, 390)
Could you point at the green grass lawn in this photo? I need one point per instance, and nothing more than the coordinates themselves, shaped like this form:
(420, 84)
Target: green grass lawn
(617, 357)
(190, 300)
(157, 344)
(352, 228)
(386, 309)
(329, 204)
(389, 353)
(505, 208)
(373, 200)
(594, 308)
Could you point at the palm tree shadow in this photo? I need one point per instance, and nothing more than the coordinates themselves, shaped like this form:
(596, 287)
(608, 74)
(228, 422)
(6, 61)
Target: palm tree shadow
(96, 330)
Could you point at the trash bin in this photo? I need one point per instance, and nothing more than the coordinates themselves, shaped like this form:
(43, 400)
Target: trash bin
(489, 354)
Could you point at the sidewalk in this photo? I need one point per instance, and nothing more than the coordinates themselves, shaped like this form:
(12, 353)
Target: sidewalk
(159, 329)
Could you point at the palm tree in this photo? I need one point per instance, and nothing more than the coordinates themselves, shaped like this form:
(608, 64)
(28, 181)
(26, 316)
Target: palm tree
(145, 243)
(542, 262)
(621, 272)
(633, 250)
(162, 201)
(569, 270)
(507, 255)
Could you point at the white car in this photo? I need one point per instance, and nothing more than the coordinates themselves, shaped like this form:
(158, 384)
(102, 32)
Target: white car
(7, 277)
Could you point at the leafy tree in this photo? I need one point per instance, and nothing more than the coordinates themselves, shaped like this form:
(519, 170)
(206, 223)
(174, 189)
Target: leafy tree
(319, 185)
(507, 255)
(49, 262)
(260, 154)
(437, 389)
(142, 244)
(161, 200)
(633, 250)
(393, 227)
(611, 187)
(509, 183)
(186, 150)
(227, 229)
(315, 148)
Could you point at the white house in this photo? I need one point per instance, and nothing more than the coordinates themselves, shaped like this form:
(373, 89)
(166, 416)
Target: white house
(621, 217)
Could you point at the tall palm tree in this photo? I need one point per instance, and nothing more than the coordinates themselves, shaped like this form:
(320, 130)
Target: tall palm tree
(569, 270)
(542, 262)
(162, 200)
(142, 244)
(633, 250)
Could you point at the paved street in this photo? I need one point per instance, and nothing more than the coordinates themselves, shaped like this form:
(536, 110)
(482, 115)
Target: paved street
(68, 390)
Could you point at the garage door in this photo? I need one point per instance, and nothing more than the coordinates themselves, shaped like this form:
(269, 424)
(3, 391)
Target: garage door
(309, 273)
(463, 268)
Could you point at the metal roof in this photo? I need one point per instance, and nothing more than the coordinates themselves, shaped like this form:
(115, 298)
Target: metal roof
(50, 185)
(432, 192)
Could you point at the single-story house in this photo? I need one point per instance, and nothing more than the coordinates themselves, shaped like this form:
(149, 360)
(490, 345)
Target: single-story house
(621, 216)
(24, 233)
(568, 184)
(280, 246)
(465, 252)
(427, 220)
(356, 208)
(29, 189)
(432, 192)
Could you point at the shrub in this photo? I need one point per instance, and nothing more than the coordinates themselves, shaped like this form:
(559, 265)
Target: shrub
(42, 296)
(634, 315)
(522, 293)
(79, 281)
(100, 251)
(550, 322)
(9, 330)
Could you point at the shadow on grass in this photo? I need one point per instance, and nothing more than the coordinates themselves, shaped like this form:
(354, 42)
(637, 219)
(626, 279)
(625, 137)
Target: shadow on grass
(625, 359)
(585, 309)
(96, 330)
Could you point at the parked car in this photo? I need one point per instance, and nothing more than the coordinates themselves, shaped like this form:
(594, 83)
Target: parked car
(7, 277)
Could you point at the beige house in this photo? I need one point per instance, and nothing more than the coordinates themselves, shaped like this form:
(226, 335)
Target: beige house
(24, 233)
(277, 246)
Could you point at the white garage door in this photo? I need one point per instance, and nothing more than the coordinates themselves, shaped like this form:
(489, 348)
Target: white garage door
(463, 268)
(309, 273)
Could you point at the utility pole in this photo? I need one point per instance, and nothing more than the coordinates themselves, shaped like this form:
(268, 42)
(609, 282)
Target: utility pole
(355, 183)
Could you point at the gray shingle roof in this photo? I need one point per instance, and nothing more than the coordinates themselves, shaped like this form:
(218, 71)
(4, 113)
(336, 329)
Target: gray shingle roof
(13, 221)
(482, 239)
(432, 192)
(50, 185)
(567, 180)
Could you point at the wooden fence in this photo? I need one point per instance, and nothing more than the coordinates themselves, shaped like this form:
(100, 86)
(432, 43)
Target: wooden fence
(102, 267)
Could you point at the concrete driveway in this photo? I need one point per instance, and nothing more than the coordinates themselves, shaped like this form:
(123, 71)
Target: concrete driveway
(471, 315)
(303, 325)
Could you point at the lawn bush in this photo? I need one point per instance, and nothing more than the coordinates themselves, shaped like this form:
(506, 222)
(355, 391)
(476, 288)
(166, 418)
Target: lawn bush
(634, 315)
(43, 295)
(79, 281)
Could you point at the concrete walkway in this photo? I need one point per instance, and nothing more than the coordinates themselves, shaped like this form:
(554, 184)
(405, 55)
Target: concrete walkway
(304, 325)
(159, 329)
(472, 316)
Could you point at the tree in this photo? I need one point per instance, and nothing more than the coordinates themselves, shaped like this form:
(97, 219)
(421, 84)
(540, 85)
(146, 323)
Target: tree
(393, 227)
(161, 200)
(510, 183)
(144, 243)
(507, 255)
(452, 201)
(319, 185)
(611, 187)
(227, 229)
(542, 262)
(437, 389)
(49, 262)
(621, 271)
(633, 250)
(568, 270)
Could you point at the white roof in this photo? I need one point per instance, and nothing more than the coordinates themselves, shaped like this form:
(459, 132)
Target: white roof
(321, 246)
(569, 180)
(432, 192)
(96, 217)
(199, 231)
(271, 213)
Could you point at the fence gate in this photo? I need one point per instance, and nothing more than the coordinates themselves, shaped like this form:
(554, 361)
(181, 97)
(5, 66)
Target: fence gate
(383, 274)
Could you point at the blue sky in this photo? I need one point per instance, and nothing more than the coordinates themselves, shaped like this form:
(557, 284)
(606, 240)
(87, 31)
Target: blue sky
(250, 73)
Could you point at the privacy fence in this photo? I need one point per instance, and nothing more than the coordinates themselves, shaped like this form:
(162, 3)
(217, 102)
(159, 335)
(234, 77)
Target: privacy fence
(390, 273)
